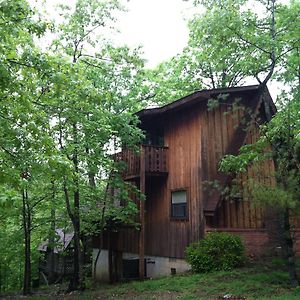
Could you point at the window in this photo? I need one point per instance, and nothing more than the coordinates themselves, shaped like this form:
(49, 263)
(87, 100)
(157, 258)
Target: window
(154, 137)
(179, 204)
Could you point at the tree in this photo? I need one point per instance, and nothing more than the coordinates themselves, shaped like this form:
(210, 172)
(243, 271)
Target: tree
(230, 44)
(24, 146)
(282, 132)
(173, 79)
(62, 110)
(91, 94)
(268, 45)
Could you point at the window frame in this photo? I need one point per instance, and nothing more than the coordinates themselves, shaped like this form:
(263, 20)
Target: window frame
(177, 218)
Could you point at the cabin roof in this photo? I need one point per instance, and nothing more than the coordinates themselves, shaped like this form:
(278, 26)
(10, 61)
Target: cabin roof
(64, 239)
(201, 96)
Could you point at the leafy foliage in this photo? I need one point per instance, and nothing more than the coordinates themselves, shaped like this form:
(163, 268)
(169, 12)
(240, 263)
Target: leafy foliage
(279, 140)
(64, 111)
(217, 251)
(231, 44)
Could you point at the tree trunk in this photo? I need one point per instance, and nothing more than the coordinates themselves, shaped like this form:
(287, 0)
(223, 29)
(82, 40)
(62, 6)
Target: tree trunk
(51, 276)
(287, 246)
(98, 254)
(77, 280)
(26, 229)
(102, 223)
(91, 173)
(284, 232)
(77, 250)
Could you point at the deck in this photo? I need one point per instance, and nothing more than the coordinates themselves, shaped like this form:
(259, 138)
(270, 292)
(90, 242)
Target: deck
(155, 161)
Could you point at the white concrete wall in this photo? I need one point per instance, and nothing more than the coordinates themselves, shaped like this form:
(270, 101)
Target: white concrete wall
(162, 266)
(102, 273)
(157, 266)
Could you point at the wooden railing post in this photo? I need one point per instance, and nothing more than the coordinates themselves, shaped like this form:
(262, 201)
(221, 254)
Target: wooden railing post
(142, 217)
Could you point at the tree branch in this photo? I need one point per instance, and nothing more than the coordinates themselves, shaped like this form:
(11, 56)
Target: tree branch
(38, 202)
(8, 152)
(13, 61)
(248, 42)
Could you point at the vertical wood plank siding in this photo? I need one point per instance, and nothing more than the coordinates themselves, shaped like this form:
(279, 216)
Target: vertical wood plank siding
(195, 139)
(182, 135)
(242, 212)
(164, 236)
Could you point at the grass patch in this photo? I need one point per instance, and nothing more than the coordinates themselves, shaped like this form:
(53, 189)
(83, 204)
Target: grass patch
(253, 282)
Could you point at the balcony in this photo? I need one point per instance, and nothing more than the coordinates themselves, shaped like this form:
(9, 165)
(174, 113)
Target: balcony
(155, 161)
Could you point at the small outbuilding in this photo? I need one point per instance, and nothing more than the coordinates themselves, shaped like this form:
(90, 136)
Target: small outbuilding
(56, 262)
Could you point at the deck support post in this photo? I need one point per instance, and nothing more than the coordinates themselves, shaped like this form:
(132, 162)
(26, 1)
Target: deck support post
(142, 217)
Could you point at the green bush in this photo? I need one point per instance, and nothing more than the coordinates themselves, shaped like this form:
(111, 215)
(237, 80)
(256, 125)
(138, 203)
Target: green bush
(217, 251)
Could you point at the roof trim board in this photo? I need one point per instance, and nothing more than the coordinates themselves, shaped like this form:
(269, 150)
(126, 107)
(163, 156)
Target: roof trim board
(202, 96)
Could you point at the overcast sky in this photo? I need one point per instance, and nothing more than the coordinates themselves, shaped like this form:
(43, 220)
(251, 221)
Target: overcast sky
(158, 25)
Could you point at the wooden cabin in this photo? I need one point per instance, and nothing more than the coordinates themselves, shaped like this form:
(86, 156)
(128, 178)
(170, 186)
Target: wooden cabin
(185, 141)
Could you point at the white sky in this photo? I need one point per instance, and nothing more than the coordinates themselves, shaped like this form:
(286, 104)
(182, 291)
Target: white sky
(157, 25)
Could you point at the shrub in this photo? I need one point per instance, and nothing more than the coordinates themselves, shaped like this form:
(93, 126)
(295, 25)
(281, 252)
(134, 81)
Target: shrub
(217, 251)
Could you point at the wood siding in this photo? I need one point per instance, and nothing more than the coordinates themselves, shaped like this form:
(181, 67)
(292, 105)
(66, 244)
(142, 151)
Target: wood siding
(197, 139)
(183, 137)
(242, 212)
(165, 236)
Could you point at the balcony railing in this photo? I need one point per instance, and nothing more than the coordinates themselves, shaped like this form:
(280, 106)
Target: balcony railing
(155, 161)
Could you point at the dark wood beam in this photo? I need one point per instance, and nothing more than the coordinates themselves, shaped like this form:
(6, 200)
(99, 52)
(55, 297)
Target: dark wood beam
(142, 217)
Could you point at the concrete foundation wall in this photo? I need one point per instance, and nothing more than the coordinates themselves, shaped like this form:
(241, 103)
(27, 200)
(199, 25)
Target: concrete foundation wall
(156, 266)
(102, 273)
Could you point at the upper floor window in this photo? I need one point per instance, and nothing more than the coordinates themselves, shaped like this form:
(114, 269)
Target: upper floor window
(179, 204)
(154, 137)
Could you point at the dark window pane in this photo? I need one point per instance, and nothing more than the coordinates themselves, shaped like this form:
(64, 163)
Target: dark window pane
(179, 210)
